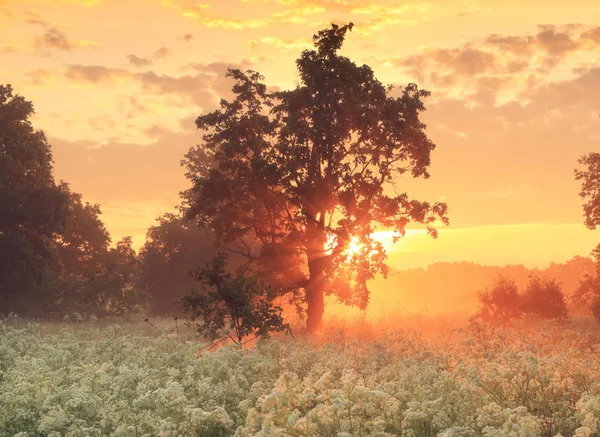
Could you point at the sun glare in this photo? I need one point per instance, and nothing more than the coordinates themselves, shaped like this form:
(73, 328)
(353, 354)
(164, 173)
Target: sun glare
(355, 246)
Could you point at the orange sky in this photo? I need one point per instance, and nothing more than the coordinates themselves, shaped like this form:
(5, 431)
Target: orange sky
(515, 101)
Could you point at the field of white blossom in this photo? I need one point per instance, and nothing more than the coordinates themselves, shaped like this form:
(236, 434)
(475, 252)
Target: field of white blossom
(91, 378)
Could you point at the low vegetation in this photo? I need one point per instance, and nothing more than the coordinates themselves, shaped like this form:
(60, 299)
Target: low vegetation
(94, 378)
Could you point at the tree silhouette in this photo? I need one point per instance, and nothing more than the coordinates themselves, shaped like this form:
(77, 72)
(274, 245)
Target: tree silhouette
(232, 306)
(502, 302)
(543, 297)
(173, 248)
(590, 191)
(95, 278)
(84, 243)
(315, 166)
(34, 209)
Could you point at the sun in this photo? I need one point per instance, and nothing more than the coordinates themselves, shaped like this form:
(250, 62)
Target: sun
(355, 246)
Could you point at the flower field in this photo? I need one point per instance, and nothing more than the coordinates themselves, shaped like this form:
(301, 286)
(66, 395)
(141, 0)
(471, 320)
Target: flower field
(91, 378)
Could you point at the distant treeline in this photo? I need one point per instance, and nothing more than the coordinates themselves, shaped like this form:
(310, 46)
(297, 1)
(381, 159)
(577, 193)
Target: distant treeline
(449, 287)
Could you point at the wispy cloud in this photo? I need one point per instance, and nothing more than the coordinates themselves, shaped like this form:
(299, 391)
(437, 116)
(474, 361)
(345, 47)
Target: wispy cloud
(138, 61)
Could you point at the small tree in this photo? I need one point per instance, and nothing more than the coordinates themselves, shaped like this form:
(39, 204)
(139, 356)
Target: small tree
(544, 297)
(235, 306)
(502, 302)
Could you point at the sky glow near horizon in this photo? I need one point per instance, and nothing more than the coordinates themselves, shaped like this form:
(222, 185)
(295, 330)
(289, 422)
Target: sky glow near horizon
(515, 101)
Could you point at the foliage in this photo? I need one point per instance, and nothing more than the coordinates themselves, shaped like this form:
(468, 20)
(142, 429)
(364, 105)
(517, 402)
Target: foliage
(173, 249)
(84, 243)
(590, 190)
(54, 250)
(95, 379)
(502, 302)
(95, 278)
(318, 164)
(34, 208)
(542, 297)
(237, 306)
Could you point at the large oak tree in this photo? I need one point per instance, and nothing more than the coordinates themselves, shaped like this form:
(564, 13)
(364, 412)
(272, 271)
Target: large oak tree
(311, 172)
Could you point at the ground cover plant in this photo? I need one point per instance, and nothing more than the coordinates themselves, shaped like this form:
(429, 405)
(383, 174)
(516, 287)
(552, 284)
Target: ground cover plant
(98, 378)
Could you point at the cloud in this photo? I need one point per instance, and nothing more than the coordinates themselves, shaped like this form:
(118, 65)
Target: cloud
(53, 37)
(592, 35)
(138, 61)
(96, 73)
(161, 53)
(464, 61)
(556, 42)
(551, 41)
(204, 87)
(507, 64)
(187, 37)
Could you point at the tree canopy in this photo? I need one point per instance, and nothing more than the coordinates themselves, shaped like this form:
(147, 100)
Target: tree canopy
(34, 209)
(590, 191)
(54, 249)
(311, 172)
(173, 249)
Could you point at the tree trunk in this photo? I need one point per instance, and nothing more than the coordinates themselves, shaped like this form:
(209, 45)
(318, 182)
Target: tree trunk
(318, 263)
(316, 305)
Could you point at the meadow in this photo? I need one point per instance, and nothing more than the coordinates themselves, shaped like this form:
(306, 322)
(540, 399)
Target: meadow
(419, 376)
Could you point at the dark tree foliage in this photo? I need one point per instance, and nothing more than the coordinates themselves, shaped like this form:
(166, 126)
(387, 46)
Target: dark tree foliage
(501, 303)
(33, 211)
(95, 278)
(543, 297)
(172, 250)
(108, 289)
(585, 296)
(232, 306)
(84, 243)
(590, 191)
(314, 166)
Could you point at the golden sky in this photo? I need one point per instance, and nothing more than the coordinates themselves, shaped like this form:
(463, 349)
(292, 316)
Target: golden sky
(515, 101)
